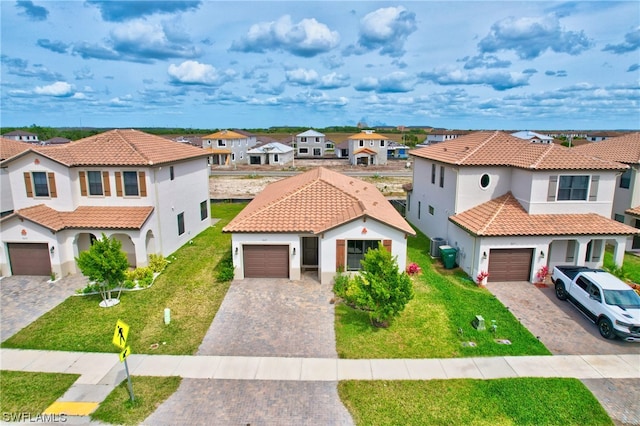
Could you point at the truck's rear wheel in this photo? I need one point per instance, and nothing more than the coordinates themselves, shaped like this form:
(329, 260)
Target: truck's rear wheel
(560, 291)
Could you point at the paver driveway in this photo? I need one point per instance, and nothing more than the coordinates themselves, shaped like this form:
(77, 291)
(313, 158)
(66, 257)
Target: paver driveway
(264, 317)
(565, 331)
(273, 317)
(25, 298)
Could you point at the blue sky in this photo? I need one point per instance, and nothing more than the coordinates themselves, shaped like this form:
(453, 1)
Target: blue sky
(205, 64)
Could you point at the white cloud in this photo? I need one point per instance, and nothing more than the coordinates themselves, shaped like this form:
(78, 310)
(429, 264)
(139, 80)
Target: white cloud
(307, 38)
(301, 76)
(193, 72)
(57, 89)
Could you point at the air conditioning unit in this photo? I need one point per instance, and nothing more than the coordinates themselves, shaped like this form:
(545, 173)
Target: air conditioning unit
(435, 246)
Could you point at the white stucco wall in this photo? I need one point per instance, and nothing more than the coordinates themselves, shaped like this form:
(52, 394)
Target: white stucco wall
(183, 194)
(470, 193)
(426, 194)
(6, 198)
(602, 205)
(64, 201)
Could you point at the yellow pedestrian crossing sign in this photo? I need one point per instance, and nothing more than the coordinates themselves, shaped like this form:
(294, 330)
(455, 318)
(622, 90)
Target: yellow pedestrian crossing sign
(120, 334)
(124, 354)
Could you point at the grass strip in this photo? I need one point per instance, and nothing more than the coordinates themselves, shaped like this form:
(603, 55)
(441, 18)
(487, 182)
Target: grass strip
(520, 401)
(28, 392)
(149, 393)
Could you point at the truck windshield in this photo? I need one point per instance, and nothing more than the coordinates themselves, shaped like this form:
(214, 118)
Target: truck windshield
(627, 299)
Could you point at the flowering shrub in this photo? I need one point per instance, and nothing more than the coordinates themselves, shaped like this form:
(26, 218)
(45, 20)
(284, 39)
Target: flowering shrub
(413, 269)
(541, 275)
(482, 275)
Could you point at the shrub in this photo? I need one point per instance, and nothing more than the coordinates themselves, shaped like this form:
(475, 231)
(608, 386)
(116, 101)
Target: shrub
(381, 287)
(226, 270)
(157, 263)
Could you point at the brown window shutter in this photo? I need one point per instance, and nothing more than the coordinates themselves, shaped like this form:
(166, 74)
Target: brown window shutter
(105, 184)
(143, 184)
(553, 185)
(340, 245)
(27, 184)
(52, 185)
(593, 191)
(83, 183)
(387, 245)
(118, 184)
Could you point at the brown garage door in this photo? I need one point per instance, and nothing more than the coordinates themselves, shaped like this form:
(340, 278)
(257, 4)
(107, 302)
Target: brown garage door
(266, 261)
(510, 264)
(29, 259)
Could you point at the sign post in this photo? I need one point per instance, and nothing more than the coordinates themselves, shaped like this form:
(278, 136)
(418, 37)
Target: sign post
(120, 335)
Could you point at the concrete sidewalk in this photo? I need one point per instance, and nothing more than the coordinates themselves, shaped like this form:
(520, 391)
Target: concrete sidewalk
(96, 368)
(100, 373)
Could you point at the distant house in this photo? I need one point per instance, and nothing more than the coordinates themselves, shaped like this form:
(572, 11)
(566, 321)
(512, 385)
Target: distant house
(533, 136)
(21, 135)
(146, 191)
(342, 149)
(397, 151)
(56, 141)
(310, 144)
(320, 221)
(600, 136)
(368, 148)
(228, 147)
(274, 153)
(439, 135)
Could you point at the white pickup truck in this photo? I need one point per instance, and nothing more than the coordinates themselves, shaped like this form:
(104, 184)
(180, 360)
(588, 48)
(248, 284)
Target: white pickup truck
(603, 298)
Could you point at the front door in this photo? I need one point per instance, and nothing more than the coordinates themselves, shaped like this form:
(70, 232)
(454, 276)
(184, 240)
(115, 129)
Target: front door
(310, 251)
(636, 238)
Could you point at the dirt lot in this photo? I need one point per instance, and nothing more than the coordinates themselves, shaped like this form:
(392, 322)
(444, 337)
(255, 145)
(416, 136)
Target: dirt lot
(250, 184)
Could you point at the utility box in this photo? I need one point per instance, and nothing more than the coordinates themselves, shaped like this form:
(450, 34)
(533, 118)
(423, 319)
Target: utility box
(448, 255)
(436, 243)
(478, 323)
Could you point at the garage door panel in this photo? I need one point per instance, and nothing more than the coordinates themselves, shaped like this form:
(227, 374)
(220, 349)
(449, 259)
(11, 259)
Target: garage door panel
(510, 264)
(29, 258)
(266, 261)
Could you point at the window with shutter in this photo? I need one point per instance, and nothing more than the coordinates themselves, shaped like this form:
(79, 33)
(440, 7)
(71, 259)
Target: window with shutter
(83, 183)
(105, 182)
(553, 185)
(52, 185)
(593, 190)
(340, 244)
(27, 184)
(118, 176)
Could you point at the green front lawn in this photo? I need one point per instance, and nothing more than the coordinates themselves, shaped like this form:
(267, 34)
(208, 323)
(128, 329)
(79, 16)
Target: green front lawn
(188, 287)
(522, 401)
(27, 392)
(437, 321)
(630, 266)
(149, 393)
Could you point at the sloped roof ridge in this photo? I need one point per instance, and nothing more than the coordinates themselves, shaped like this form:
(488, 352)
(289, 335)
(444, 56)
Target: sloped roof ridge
(544, 155)
(505, 199)
(132, 145)
(478, 147)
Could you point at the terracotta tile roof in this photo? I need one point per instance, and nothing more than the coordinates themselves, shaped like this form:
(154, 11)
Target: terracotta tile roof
(502, 149)
(624, 149)
(225, 134)
(85, 217)
(368, 135)
(120, 148)
(218, 150)
(314, 202)
(11, 147)
(504, 216)
(634, 211)
(365, 150)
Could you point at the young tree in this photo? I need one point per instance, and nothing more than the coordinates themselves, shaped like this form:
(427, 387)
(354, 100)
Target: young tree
(383, 289)
(104, 263)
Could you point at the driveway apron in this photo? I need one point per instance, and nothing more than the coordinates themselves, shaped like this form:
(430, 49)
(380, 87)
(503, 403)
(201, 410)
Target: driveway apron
(565, 331)
(26, 298)
(273, 317)
(264, 317)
